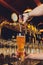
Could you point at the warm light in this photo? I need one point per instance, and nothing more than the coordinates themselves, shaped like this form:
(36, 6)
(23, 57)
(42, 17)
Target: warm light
(4, 23)
(41, 30)
(32, 27)
(28, 10)
(14, 24)
(29, 26)
(14, 17)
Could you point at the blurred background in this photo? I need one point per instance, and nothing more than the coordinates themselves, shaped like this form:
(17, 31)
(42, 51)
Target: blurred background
(10, 26)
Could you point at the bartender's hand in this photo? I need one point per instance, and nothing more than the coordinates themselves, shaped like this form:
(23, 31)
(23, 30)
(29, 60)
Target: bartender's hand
(25, 17)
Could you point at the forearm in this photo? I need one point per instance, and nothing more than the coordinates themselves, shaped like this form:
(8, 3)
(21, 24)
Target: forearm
(38, 11)
(35, 56)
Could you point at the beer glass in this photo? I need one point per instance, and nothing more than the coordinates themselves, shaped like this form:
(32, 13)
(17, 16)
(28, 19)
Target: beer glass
(20, 45)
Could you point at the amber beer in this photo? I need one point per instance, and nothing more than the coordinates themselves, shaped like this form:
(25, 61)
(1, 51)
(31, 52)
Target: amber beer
(21, 44)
